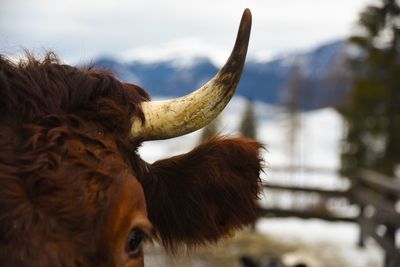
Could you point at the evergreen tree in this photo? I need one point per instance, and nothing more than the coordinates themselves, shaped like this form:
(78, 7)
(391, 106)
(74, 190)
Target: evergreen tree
(248, 125)
(292, 104)
(373, 111)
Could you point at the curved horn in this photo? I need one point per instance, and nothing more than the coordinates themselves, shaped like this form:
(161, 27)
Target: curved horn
(176, 117)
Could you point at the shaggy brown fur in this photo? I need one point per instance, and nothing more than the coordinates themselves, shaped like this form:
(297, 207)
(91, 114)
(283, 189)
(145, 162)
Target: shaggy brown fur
(54, 135)
(64, 140)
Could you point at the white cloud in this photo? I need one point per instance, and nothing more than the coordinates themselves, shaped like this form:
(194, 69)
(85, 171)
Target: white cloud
(180, 49)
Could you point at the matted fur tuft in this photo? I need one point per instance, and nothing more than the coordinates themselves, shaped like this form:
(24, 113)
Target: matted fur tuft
(32, 88)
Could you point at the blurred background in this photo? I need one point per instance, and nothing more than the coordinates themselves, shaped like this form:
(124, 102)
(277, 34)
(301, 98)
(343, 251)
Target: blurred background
(321, 89)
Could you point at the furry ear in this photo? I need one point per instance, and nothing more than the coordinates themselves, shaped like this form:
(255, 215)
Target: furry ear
(198, 197)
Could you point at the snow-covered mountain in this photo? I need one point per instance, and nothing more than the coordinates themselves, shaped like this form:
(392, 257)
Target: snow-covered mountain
(263, 81)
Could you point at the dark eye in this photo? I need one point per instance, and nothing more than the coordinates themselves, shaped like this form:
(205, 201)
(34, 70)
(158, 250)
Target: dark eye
(134, 243)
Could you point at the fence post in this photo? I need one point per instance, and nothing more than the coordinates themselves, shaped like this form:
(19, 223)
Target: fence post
(361, 237)
(390, 236)
(355, 183)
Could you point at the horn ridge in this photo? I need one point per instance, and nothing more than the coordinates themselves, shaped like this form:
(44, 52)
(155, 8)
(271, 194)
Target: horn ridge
(183, 115)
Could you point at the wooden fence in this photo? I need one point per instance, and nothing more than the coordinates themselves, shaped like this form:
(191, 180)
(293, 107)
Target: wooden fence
(376, 197)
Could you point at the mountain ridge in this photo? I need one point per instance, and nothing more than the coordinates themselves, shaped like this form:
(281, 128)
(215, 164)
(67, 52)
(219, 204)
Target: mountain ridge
(268, 81)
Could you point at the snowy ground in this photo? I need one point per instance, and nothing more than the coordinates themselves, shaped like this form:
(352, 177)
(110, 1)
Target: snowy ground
(321, 242)
(318, 145)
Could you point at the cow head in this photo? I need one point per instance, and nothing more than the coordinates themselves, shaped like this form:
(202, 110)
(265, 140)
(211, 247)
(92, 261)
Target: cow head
(73, 189)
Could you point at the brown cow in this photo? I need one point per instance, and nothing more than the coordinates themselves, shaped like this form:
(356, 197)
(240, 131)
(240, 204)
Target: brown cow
(73, 189)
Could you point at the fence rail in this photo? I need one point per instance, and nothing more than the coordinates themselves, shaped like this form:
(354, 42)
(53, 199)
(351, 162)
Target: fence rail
(371, 178)
(304, 214)
(323, 192)
(307, 169)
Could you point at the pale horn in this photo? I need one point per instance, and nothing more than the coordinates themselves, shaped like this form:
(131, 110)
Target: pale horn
(176, 117)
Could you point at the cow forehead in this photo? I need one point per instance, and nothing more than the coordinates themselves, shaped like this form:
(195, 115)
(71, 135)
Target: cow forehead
(125, 208)
(126, 204)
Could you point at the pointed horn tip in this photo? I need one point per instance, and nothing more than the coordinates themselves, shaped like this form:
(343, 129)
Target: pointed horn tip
(247, 13)
(246, 17)
(243, 36)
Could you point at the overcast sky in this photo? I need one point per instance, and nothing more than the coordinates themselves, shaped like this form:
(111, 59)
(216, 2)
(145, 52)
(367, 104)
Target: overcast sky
(79, 30)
